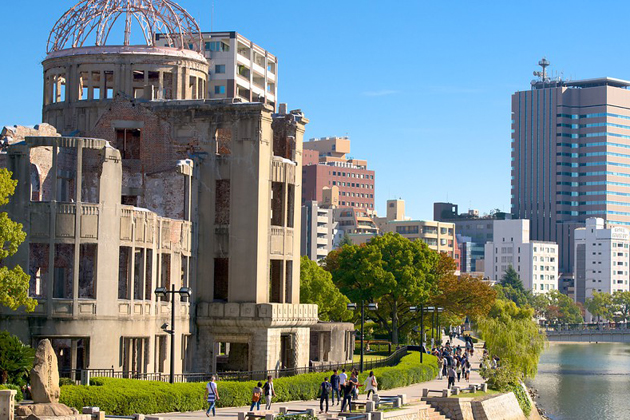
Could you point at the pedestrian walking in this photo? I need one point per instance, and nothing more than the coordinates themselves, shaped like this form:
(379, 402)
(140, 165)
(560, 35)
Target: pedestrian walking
(354, 378)
(440, 366)
(256, 397)
(371, 385)
(212, 395)
(458, 370)
(347, 389)
(343, 377)
(324, 390)
(269, 392)
(335, 384)
(451, 377)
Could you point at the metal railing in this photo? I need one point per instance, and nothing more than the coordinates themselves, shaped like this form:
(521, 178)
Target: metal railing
(602, 327)
(76, 374)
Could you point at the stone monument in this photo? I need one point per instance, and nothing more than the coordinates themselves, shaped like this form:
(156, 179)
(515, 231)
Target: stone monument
(45, 390)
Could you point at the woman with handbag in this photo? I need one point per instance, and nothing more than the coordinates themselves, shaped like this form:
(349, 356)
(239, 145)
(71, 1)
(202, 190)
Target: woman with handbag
(371, 385)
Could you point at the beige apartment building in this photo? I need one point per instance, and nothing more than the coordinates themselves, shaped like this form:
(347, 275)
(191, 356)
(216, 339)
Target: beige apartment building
(157, 186)
(439, 236)
(238, 68)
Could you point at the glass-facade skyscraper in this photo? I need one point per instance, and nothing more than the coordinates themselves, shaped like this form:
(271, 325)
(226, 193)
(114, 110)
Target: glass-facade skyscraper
(570, 157)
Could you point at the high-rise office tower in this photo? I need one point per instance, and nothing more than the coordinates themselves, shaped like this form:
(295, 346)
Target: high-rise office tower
(570, 156)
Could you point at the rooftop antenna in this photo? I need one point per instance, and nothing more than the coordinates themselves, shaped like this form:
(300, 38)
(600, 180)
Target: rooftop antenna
(542, 74)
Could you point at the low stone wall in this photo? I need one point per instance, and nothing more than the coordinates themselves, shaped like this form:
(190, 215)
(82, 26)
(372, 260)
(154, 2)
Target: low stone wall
(418, 412)
(500, 407)
(453, 408)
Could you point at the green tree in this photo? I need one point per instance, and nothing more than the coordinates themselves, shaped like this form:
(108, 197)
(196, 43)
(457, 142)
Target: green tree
(511, 278)
(599, 305)
(556, 307)
(316, 286)
(16, 359)
(620, 308)
(14, 283)
(512, 335)
(345, 240)
(521, 298)
(391, 270)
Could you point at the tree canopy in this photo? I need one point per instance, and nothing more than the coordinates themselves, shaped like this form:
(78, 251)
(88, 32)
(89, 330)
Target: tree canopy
(16, 359)
(556, 307)
(316, 286)
(512, 335)
(391, 270)
(464, 295)
(512, 279)
(599, 305)
(14, 283)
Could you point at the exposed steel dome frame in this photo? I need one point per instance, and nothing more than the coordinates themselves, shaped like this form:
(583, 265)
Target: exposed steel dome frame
(97, 17)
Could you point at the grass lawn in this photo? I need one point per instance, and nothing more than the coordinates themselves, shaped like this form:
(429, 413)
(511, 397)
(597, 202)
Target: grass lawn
(476, 394)
(370, 356)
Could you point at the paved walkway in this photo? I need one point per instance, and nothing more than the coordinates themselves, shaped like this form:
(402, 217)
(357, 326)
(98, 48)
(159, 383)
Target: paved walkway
(413, 392)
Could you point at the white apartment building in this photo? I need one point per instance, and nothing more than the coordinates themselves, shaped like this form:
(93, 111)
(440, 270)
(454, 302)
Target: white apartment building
(238, 68)
(319, 230)
(601, 259)
(535, 262)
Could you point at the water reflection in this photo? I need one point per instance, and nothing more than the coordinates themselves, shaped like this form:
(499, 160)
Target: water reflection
(585, 381)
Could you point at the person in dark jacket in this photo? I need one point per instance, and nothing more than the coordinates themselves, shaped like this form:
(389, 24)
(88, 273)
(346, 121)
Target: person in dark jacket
(324, 391)
(335, 384)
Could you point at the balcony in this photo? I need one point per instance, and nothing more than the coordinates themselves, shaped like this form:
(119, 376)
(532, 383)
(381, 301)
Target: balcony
(256, 314)
(281, 241)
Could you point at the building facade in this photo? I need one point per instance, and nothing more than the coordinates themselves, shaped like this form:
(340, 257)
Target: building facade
(601, 259)
(238, 68)
(157, 187)
(570, 157)
(318, 231)
(473, 231)
(536, 262)
(334, 168)
(439, 236)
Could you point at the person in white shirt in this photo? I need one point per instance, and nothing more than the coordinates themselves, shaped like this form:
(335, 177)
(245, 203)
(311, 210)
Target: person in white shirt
(269, 392)
(212, 395)
(371, 385)
(343, 377)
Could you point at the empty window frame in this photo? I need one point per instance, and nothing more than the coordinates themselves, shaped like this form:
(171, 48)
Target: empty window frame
(128, 142)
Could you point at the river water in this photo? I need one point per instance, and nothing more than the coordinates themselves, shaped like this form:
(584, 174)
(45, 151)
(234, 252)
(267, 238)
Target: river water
(584, 381)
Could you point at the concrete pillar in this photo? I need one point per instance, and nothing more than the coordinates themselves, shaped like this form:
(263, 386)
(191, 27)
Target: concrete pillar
(241, 415)
(7, 404)
(269, 416)
(369, 406)
(77, 232)
(484, 387)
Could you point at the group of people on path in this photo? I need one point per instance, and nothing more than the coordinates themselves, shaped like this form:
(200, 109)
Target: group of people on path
(267, 390)
(454, 362)
(345, 389)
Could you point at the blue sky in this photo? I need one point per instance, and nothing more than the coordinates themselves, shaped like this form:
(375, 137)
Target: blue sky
(422, 88)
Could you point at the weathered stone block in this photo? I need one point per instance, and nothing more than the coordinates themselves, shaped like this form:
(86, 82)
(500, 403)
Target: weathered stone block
(7, 404)
(45, 375)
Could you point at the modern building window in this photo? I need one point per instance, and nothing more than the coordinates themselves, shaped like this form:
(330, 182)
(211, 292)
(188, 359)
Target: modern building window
(219, 90)
(219, 68)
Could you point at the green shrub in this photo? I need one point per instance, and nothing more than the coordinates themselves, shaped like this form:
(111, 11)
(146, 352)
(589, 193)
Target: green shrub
(66, 381)
(523, 399)
(129, 396)
(19, 396)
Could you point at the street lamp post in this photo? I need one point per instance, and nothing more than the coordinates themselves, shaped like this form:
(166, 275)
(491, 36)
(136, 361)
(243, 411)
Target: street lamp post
(437, 311)
(421, 309)
(372, 307)
(162, 291)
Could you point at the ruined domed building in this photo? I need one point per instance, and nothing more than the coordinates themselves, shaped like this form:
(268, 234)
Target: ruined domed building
(149, 184)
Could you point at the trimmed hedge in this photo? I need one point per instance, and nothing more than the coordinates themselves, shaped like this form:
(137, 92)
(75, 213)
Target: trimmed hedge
(124, 397)
(19, 396)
